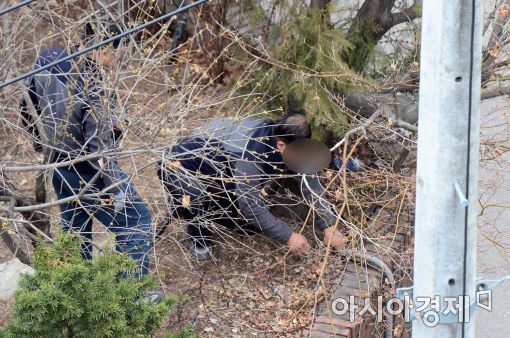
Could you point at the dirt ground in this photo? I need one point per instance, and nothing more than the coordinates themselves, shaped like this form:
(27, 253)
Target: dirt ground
(250, 289)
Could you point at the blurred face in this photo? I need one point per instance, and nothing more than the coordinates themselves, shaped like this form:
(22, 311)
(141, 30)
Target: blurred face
(107, 56)
(306, 156)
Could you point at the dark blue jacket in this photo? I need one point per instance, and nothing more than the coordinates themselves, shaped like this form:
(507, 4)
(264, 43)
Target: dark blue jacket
(245, 151)
(77, 115)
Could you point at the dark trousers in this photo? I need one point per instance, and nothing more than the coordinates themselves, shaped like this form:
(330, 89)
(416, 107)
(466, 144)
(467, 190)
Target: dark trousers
(204, 202)
(131, 224)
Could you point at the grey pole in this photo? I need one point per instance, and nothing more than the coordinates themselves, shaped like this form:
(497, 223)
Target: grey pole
(447, 169)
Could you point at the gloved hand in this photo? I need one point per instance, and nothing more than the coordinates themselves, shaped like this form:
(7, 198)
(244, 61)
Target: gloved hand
(353, 164)
(119, 200)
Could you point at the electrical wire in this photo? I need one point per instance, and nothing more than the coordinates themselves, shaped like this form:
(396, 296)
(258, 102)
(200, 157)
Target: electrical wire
(10, 9)
(102, 43)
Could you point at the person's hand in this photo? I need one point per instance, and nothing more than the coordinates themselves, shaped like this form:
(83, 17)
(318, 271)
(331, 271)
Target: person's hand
(336, 238)
(298, 243)
(119, 201)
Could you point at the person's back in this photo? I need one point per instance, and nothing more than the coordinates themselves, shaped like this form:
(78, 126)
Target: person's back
(248, 140)
(65, 98)
(70, 102)
(48, 93)
(253, 149)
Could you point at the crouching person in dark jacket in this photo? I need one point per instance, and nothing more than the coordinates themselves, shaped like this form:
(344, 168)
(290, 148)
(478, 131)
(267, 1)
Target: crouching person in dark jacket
(215, 176)
(78, 120)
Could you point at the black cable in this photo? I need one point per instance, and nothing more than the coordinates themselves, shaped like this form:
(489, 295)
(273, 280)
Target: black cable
(102, 43)
(470, 111)
(10, 9)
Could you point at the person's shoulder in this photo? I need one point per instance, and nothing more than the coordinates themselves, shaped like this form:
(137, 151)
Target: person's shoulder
(254, 121)
(216, 124)
(51, 54)
(268, 122)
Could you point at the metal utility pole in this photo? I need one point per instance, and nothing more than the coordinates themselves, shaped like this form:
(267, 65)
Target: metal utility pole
(447, 173)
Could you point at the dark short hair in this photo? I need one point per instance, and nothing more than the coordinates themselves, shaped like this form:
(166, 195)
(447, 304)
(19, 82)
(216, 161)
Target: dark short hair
(292, 127)
(91, 36)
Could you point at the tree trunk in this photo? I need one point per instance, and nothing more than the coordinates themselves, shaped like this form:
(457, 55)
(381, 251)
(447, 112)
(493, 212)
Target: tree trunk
(366, 29)
(373, 20)
(214, 19)
(15, 249)
(322, 6)
(37, 218)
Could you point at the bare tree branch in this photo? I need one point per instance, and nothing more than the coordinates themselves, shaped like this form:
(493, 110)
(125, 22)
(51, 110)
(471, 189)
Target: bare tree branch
(490, 93)
(373, 20)
(491, 54)
(406, 15)
(36, 217)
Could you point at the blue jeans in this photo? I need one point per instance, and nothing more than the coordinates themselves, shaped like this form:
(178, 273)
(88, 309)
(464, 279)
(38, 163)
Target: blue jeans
(131, 223)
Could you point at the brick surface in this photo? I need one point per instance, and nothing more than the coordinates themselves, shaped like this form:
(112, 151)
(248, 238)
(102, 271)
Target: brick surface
(361, 281)
(332, 330)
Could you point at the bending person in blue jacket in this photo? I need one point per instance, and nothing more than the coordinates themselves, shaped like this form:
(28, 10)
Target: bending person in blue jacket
(78, 119)
(215, 176)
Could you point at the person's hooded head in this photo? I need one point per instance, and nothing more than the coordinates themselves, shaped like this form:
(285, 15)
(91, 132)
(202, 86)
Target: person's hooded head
(290, 128)
(107, 54)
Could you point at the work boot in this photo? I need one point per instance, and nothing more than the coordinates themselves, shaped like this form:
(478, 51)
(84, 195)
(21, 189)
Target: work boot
(201, 253)
(162, 226)
(154, 296)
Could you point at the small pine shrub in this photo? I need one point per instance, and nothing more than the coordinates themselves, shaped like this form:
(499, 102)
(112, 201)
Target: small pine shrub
(306, 71)
(72, 297)
(186, 332)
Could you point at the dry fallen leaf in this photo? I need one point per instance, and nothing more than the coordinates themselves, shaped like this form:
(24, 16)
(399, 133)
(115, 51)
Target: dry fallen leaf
(338, 194)
(415, 66)
(265, 293)
(173, 164)
(264, 192)
(494, 51)
(186, 200)
(316, 270)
